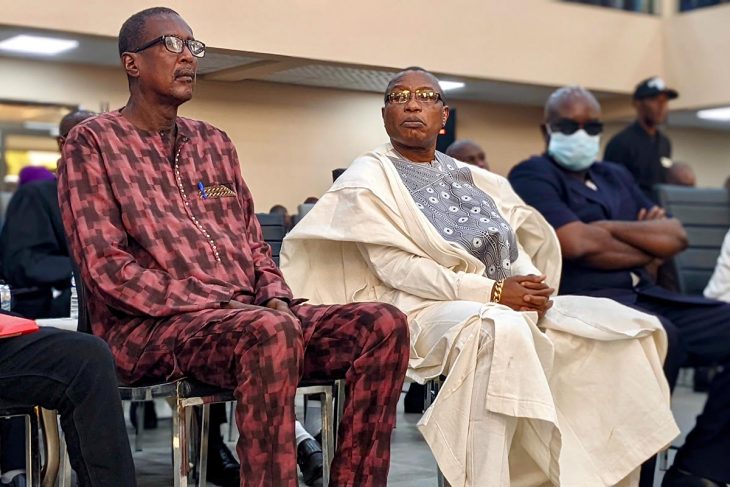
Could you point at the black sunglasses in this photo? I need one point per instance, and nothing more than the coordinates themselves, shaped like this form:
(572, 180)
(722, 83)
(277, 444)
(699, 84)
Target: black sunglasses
(569, 127)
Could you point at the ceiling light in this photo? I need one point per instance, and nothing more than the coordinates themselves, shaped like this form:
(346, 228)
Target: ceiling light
(716, 114)
(450, 85)
(37, 45)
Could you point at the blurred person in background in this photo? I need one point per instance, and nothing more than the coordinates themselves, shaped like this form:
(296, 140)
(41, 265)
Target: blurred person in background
(281, 210)
(681, 174)
(468, 151)
(641, 147)
(33, 249)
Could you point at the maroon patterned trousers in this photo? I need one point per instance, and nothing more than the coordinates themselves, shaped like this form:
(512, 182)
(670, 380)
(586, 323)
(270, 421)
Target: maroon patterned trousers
(263, 353)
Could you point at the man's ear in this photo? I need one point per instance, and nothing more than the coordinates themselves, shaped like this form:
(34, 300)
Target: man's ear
(129, 63)
(444, 116)
(545, 133)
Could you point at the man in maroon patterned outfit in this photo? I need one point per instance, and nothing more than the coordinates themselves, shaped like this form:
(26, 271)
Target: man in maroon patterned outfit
(182, 284)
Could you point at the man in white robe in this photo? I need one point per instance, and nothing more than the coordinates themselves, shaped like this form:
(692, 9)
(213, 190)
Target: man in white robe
(563, 391)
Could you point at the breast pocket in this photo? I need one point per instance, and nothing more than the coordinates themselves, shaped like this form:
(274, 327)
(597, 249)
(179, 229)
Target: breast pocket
(218, 202)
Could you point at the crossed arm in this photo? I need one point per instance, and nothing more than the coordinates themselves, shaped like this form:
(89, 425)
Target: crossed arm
(608, 244)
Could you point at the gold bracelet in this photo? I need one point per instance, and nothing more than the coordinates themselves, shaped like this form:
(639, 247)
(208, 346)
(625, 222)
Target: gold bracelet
(497, 291)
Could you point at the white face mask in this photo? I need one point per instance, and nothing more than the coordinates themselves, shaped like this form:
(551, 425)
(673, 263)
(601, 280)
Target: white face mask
(575, 152)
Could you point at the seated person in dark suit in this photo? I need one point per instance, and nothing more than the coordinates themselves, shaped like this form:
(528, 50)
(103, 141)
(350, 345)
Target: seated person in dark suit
(609, 231)
(33, 248)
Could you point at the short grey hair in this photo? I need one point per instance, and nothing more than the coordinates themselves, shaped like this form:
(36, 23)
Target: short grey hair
(562, 95)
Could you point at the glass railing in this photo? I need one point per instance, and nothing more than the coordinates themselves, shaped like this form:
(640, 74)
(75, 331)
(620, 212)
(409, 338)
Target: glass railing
(643, 6)
(687, 5)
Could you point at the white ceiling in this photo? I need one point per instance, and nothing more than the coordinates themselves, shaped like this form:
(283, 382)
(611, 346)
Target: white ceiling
(103, 52)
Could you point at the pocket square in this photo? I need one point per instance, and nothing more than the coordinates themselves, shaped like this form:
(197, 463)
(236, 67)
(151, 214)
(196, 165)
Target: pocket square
(216, 191)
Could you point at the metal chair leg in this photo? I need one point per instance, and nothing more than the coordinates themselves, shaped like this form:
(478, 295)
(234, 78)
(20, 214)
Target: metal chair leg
(340, 406)
(204, 430)
(65, 467)
(328, 437)
(51, 442)
(231, 420)
(431, 391)
(179, 445)
(139, 429)
(305, 400)
(28, 450)
(32, 453)
(194, 423)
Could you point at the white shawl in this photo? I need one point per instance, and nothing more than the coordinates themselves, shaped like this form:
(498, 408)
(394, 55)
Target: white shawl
(369, 205)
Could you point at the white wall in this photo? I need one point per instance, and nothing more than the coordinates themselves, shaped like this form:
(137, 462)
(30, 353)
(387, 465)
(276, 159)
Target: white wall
(290, 138)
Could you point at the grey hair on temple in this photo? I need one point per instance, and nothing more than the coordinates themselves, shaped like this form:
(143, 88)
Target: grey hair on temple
(563, 95)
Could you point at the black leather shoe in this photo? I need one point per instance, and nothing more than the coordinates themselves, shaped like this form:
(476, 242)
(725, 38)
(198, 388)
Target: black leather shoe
(413, 403)
(679, 478)
(309, 459)
(223, 468)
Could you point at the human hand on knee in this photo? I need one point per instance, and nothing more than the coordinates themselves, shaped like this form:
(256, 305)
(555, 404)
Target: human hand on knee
(279, 305)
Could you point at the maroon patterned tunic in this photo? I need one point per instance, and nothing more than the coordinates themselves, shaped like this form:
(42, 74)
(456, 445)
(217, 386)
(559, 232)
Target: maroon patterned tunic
(152, 245)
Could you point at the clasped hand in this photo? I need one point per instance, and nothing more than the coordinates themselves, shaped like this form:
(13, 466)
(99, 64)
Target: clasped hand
(527, 293)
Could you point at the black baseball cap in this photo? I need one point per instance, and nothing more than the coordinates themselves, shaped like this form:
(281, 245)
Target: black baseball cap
(652, 87)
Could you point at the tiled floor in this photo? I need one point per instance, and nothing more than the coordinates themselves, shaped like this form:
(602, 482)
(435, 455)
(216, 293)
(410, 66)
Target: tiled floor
(412, 464)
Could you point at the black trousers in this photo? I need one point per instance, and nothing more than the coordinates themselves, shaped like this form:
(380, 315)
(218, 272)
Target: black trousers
(704, 339)
(699, 334)
(75, 374)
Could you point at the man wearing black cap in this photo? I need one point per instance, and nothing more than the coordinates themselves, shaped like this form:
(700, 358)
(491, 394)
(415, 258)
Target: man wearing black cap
(641, 147)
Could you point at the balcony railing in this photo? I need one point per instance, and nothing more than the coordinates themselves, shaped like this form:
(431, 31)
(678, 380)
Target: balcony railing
(642, 6)
(687, 5)
(649, 6)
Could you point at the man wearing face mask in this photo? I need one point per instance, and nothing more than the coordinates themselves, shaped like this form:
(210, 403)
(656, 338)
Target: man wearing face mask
(609, 231)
(642, 147)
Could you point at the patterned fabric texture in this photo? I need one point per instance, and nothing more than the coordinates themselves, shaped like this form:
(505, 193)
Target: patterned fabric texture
(461, 212)
(161, 262)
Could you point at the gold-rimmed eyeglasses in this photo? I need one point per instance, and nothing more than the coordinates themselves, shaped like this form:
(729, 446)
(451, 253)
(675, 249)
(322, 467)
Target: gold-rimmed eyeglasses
(426, 96)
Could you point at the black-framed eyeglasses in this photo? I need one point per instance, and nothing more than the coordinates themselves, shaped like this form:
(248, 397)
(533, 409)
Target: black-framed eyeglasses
(176, 45)
(426, 96)
(569, 127)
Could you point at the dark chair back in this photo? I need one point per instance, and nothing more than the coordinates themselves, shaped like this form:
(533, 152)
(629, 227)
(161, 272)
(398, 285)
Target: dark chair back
(274, 230)
(705, 214)
(84, 323)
